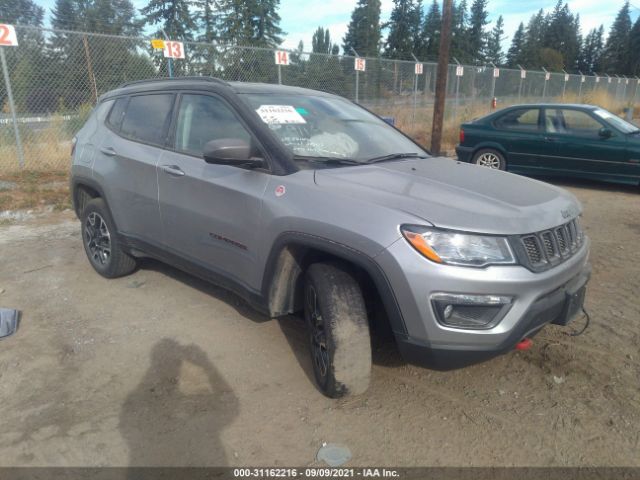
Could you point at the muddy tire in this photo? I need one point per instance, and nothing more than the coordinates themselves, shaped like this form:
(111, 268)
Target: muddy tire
(490, 158)
(101, 242)
(336, 318)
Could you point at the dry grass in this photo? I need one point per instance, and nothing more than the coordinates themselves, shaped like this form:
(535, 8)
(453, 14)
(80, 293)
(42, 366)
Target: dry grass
(36, 189)
(44, 150)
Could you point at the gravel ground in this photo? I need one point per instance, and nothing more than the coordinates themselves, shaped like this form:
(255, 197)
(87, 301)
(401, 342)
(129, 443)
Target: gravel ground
(160, 368)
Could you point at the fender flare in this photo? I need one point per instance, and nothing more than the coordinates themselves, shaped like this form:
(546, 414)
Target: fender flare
(305, 242)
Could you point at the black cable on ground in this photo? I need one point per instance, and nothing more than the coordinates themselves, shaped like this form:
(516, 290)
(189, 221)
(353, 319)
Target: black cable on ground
(586, 324)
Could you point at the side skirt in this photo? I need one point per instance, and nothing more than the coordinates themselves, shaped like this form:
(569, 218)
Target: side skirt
(140, 248)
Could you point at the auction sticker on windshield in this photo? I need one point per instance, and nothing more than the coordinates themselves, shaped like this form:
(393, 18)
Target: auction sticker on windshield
(279, 114)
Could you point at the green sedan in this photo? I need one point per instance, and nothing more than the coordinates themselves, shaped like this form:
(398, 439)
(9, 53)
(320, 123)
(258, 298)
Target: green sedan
(573, 140)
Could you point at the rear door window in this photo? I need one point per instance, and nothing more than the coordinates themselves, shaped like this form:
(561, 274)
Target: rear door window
(523, 120)
(147, 117)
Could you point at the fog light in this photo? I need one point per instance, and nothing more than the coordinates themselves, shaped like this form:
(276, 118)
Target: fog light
(448, 310)
(470, 311)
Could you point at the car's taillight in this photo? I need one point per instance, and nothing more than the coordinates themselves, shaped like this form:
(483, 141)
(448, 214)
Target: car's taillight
(74, 140)
(461, 136)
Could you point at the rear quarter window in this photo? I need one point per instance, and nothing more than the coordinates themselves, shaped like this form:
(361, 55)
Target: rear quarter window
(114, 120)
(522, 120)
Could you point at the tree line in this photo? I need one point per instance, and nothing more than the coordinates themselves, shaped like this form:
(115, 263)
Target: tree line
(551, 39)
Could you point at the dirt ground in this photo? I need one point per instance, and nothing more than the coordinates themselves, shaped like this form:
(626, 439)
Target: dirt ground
(160, 368)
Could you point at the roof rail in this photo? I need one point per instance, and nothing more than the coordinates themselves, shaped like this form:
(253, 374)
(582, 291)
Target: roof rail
(162, 79)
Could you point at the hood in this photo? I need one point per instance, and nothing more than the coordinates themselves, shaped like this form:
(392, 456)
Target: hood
(455, 195)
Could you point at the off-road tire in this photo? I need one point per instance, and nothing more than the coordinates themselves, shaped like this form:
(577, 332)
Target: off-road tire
(488, 155)
(341, 316)
(117, 263)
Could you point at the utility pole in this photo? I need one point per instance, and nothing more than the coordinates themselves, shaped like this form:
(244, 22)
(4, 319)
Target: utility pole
(441, 79)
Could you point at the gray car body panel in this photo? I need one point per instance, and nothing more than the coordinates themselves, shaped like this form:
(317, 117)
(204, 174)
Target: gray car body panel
(231, 220)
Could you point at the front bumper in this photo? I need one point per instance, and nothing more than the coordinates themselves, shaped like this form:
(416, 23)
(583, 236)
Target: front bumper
(539, 299)
(464, 153)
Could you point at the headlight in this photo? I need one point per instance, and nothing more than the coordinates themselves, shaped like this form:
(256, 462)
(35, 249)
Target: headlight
(455, 248)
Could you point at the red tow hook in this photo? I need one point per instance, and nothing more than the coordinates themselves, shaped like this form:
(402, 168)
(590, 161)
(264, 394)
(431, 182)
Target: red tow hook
(524, 344)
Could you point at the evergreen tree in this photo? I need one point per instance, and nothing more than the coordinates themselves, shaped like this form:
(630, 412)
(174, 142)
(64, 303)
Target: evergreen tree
(64, 15)
(206, 20)
(363, 34)
(634, 49)
(250, 22)
(616, 52)
(494, 43)
(534, 40)
(515, 55)
(562, 33)
(173, 17)
(591, 51)
(267, 31)
(403, 25)
(459, 17)
(25, 12)
(321, 41)
(476, 35)
(430, 33)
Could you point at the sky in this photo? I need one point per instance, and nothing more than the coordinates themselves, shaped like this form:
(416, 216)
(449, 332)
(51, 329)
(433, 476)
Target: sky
(300, 18)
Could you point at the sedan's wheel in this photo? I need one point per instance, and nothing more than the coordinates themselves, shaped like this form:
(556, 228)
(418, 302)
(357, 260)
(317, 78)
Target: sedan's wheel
(490, 158)
(338, 328)
(101, 243)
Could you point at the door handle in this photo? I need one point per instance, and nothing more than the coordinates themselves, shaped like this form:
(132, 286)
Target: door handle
(108, 151)
(550, 139)
(174, 170)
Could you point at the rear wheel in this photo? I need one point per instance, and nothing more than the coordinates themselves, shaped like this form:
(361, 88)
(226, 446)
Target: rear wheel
(338, 327)
(101, 243)
(490, 158)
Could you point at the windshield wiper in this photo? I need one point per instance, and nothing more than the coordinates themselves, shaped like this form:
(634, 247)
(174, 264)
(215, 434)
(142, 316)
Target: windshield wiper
(332, 160)
(395, 156)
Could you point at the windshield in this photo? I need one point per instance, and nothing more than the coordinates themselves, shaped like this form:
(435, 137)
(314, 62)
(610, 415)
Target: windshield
(616, 121)
(329, 128)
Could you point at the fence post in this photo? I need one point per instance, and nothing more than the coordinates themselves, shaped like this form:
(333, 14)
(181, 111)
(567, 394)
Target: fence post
(357, 76)
(520, 87)
(493, 84)
(564, 83)
(635, 93)
(455, 113)
(169, 60)
(544, 86)
(92, 77)
(580, 89)
(415, 88)
(12, 107)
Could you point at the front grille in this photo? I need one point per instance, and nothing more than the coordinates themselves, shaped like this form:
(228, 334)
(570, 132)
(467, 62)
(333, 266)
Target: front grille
(543, 250)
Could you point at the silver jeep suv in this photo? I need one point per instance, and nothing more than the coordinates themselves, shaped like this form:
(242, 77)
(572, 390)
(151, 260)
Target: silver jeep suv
(301, 201)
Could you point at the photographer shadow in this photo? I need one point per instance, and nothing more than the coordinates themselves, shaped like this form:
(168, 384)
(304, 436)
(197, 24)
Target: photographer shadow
(176, 414)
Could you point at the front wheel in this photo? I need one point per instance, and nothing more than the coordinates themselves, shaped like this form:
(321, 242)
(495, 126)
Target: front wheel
(490, 158)
(336, 318)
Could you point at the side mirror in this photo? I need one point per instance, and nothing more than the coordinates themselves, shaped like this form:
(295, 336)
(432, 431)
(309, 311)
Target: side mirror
(230, 151)
(605, 133)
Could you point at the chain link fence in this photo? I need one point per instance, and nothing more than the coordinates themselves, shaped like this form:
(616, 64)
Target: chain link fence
(56, 77)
